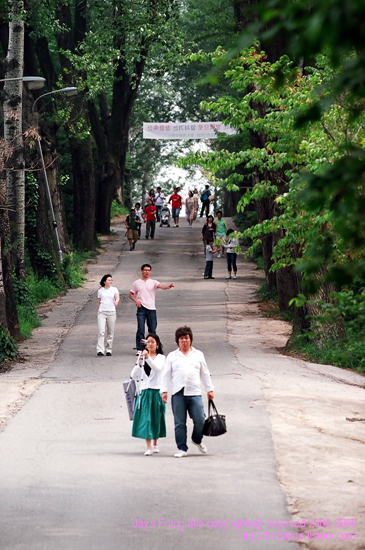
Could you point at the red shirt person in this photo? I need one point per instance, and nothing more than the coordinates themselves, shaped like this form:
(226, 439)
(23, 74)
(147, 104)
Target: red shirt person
(176, 201)
(150, 219)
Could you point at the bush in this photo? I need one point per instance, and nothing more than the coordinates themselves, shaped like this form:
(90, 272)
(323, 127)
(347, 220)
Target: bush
(117, 210)
(8, 347)
(72, 268)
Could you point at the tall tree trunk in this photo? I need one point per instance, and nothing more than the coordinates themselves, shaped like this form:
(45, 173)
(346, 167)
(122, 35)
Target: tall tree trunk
(81, 146)
(11, 313)
(13, 134)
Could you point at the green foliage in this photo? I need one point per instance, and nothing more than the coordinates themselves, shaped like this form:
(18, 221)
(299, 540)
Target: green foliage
(27, 314)
(40, 255)
(42, 289)
(8, 347)
(117, 209)
(267, 294)
(72, 268)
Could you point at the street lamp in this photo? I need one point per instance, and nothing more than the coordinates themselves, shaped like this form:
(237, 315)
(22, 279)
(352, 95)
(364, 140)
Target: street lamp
(69, 92)
(34, 82)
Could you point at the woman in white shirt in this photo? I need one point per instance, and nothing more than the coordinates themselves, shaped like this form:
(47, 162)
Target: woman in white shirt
(231, 254)
(149, 413)
(108, 299)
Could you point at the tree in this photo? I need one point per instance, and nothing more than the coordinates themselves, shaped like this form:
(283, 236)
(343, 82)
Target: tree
(13, 133)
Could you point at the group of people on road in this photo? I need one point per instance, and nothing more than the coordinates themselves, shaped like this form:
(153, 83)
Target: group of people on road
(155, 201)
(218, 239)
(185, 368)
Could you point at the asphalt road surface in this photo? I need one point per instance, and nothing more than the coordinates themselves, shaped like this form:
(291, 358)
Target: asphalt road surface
(73, 478)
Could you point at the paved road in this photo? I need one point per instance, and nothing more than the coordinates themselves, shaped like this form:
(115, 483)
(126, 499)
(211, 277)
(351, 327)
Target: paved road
(72, 477)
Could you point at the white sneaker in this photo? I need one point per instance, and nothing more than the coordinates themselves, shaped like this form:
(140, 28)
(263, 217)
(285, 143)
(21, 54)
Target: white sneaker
(235, 276)
(155, 449)
(228, 277)
(202, 448)
(218, 256)
(180, 454)
(148, 452)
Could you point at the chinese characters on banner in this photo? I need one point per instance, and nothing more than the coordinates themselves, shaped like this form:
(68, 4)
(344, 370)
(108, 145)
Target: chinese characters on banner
(187, 130)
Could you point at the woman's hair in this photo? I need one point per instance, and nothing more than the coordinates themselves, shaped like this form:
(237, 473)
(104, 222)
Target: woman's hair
(183, 331)
(210, 216)
(157, 340)
(104, 278)
(138, 204)
(191, 193)
(230, 231)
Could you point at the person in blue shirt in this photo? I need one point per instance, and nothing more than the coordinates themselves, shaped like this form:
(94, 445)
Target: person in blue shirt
(204, 195)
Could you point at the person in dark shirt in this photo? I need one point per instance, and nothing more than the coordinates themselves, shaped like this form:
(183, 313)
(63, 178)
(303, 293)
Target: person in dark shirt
(132, 223)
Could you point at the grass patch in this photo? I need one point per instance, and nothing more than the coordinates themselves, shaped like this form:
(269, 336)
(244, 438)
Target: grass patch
(36, 291)
(347, 353)
(118, 210)
(267, 294)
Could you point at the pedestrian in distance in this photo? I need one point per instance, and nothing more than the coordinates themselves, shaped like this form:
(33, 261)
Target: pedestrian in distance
(132, 223)
(186, 368)
(209, 252)
(143, 294)
(151, 196)
(191, 208)
(159, 202)
(139, 213)
(108, 299)
(149, 413)
(150, 218)
(221, 231)
(204, 195)
(176, 202)
(209, 230)
(231, 254)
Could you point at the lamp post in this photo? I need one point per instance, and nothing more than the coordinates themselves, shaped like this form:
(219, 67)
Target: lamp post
(33, 82)
(69, 92)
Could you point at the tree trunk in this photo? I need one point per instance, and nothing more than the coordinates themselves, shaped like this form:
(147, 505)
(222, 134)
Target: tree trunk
(84, 193)
(13, 134)
(11, 313)
(81, 147)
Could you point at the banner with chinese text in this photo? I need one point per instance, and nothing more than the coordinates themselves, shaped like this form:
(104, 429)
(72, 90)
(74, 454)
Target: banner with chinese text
(186, 130)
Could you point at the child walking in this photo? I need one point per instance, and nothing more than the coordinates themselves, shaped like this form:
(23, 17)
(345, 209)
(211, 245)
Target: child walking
(209, 251)
(149, 413)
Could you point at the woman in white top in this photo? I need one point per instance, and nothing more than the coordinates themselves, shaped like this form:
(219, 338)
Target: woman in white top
(108, 299)
(231, 254)
(149, 413)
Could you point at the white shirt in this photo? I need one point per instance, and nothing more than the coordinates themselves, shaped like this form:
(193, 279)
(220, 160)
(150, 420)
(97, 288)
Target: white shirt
(140, 214)
(186, 371)
(107, 298)
(231, 245)
(160, 199)
(153, 381)
(145, 291)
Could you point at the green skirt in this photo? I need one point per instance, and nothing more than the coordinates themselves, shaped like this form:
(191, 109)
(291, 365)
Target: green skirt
(149, 415)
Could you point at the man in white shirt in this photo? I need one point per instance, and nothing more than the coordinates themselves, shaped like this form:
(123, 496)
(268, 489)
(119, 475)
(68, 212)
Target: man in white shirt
(186, 367)
(159, 202)
(143, 294)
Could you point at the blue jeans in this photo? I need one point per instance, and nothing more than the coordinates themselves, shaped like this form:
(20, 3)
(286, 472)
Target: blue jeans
(193, 404)
(208, 268)
(143, 315)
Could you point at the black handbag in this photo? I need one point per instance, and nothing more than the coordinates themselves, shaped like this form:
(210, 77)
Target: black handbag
(215, 424)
